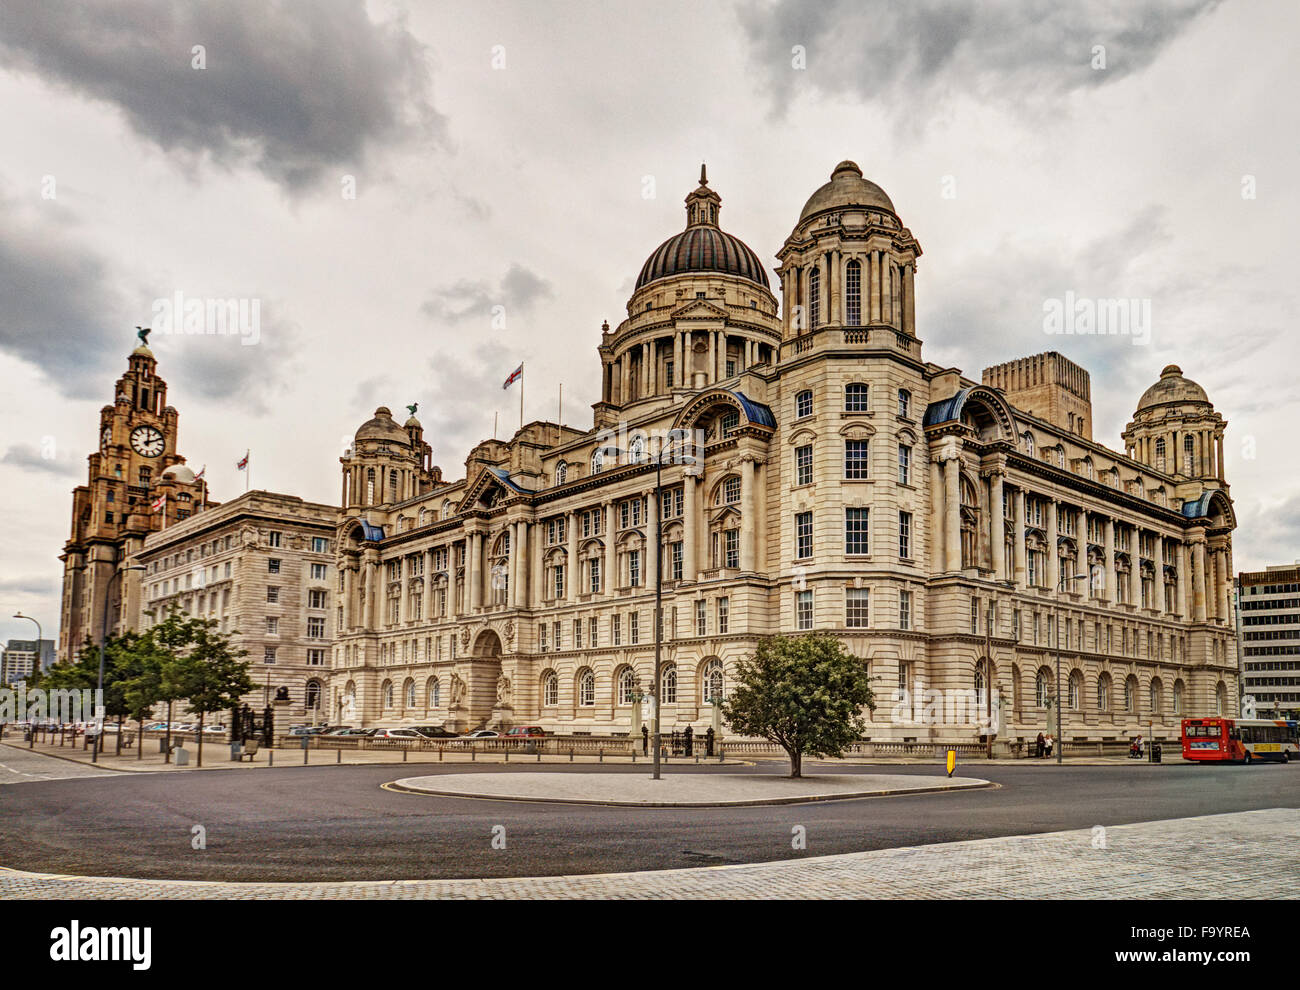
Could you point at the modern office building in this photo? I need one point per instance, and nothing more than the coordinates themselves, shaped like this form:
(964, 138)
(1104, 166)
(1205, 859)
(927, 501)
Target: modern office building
(1268, 620)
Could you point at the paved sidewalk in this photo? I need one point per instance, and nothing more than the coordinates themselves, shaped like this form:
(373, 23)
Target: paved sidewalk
(1254, 854)
(679, 790)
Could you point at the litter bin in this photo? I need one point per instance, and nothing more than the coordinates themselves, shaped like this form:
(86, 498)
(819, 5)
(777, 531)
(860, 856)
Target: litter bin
(1155, 752)
(236, 750)
(182, 756)
(162, 745)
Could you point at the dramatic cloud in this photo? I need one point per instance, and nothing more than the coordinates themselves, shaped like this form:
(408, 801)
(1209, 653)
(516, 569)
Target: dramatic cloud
(295, 89)
(907, 55)
(26, 457)
(519, 289)
(222, 367)
(59, 300)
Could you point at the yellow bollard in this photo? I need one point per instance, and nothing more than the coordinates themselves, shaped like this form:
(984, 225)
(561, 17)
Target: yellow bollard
(952, 761)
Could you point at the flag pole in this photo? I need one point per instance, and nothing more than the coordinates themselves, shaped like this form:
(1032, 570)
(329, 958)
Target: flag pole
(496, 416)
(248, 471)
(521, 397)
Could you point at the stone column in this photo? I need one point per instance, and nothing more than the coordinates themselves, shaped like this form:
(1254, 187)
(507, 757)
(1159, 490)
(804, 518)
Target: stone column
(997, 526)
(610, 566)
(713, 357)
(1135, 568)
(1221, 610)
(1198, 577)
(1180, 582)
(748, 517)
(1219, 449)
(952, 513)
(1158, 569)
(833, 287)
(909, 301)
(886, 289)
(372, 591)
(474, 570)
(690, 524)
(679, 366)
(453, 586)
(1019, 548)
(624, 377)
(571, 567)
(349, 591)
(1108, 585)
(1053, 551)
(652, 544)
(537, 564)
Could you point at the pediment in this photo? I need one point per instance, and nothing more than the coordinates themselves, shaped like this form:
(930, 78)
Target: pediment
(699, 309)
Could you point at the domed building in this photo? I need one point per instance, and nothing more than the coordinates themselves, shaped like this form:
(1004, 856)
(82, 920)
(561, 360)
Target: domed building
(818, 474)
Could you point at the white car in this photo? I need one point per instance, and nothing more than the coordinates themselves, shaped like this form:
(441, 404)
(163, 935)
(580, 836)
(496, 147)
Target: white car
(396, 734)
(481, 734)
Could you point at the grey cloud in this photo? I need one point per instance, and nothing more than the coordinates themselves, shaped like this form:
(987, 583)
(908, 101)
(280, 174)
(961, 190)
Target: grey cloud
(1267, 534)
(519, 289)
(220, 367)
(298, 90)
(26, 457)
(908, 54)
(59, 300)
(465, 390)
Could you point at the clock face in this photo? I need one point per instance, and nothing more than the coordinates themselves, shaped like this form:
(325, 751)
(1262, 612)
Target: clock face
(106, 438)
(146, 440)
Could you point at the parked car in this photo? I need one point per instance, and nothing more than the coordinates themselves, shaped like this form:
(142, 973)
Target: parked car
(341, 730)
(307, 730)
(526, 732)
(481, 734)
(394, 734)
(434, 732)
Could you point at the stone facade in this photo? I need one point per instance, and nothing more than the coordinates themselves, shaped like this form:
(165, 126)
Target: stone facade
(817, 473)
(262, 566)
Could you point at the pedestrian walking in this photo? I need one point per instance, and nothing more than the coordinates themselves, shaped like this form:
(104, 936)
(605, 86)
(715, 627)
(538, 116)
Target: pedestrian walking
(1040, 746)
(708, 742)
(645, 740)
(1050, 743)
(689, 736)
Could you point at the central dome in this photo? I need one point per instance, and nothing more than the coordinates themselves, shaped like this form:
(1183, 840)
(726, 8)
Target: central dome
(1172, 387)
(703, 246)
(846, 188)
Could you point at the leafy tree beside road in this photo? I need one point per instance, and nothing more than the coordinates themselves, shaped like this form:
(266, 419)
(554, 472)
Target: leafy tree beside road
(804, 693)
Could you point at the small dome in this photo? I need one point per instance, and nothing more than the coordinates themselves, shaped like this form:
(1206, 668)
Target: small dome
(143, 351)
(382, 427)
(1172, 387)
(181, 473)
(846, 188)
(412, 423)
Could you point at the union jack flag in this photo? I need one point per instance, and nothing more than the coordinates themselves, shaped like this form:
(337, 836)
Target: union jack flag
(514, 376)
(243, 461)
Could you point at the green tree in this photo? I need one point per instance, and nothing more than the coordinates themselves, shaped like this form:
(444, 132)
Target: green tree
(171, 639)
(211, 675)
(804, 693)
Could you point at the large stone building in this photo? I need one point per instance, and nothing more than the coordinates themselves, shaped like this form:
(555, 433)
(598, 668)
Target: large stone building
(261, 566)
(1269, 620)
(137, 484)
(837, 482)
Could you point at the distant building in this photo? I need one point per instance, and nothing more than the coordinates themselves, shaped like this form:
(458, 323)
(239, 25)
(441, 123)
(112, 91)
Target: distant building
(1269, 624)
(262, 566)
(19, 657)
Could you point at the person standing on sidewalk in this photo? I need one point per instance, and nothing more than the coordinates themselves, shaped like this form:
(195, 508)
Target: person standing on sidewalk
(645, 740)
(1040, 746)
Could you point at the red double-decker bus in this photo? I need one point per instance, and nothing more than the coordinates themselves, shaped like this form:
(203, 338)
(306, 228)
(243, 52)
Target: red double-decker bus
(1239, 740)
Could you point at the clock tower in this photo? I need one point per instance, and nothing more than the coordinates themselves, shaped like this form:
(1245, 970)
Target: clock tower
(137, 484)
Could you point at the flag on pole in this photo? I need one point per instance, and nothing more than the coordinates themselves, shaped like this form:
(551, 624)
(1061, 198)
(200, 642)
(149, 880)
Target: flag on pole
(243, 461)
(159, 503)
(199, 476)
(514, 376)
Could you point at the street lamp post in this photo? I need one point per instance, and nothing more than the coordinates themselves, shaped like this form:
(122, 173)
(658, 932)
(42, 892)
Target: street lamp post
(103, 648)
(36, 665)
(1060, 707)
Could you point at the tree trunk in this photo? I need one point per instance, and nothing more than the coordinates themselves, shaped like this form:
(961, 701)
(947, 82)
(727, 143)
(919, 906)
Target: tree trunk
(139, 741)
(167, 746)
(119, 735)
(796, 762)
(201, 714)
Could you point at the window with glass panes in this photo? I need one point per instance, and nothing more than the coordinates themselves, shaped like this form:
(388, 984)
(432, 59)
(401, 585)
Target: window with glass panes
(634, 568)
(855, 397)
(857, 531)
(634, 628)
(724, 615)
(855, 459)
(904, 464)
(904, 610)
(803, 465)
(803, 531)
(857, 602)
(905, 535)
(803, 404)
(616, 629)
(675, 560)
(803, 609)
(593, 634)
(904, 403)
(701, 619)
(594, 570)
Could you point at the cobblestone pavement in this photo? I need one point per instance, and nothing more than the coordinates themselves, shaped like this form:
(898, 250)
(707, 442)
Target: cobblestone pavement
(1254, 854)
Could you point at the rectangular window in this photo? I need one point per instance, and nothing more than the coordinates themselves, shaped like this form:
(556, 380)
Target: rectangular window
(731, 368)
(724, 615)
(320, 544)
(227, 570)
(316, 627)
(316, 599)
(556, 629)
(803, 535)
(273, 538)
(731, 558)
(272, 625)
(855, 459)
(857, 531)
(268, 654)
(273, 566)
(272, 593)
(857, 602)
(904, 610)
(316, 658)
(541, 637)
(675, 560)
(974, 616)
(595, 575)
(905, 535)
(577, 634)
(318, 572)
(616, 629)
(634, 568)
(634, 627)
(803, 466)
(559, 582)
(701, 619)
(593, 634)
(803, 609)
(904, 464)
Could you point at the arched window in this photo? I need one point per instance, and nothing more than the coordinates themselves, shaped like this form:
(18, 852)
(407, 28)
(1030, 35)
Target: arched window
(597, 460)
(1155, 695)
(981, 669)
(669, 692)
(814, 297)
(1130, 694)
(1042, 689)
(636, 450)
(1160, 453)
(1103, 693)
(370, 486)
(446, 508)
(803, 404)
(1028, 438)
(550, 689)
(561, 472)
(904, 403)
(729, 492)
(313, 695)
(1220, 699)
(586, 689)
(1076, 691)
(853, 293)
(410, 694)
(434, 693)
(388, 694)
(712, 683)
(392, 486)
(1178, 697)
(627, 687)
(1189, 455)
(855, 397)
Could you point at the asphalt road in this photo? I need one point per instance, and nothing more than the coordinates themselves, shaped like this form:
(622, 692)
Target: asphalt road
(337, 823)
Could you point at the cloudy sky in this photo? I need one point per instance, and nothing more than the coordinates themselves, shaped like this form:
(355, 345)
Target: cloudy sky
(522, 159)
